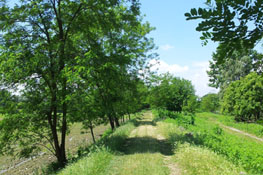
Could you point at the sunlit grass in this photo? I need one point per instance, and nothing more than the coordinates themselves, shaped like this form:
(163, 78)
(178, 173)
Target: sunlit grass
(252, 128)
(198, 160)
(193, 159)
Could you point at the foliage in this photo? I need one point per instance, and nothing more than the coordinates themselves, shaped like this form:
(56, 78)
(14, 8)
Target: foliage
(229, 23)
(210, 103)
(238, 65)
(7, 101)
(190, 106)
(170, 92)
(179, 118)
(62, 53)
(243, 98)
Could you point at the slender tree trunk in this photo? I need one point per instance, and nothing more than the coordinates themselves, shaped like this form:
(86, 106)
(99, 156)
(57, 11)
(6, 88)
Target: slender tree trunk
(129, 116)
(111, 122)
(52, 119)
(64, 125)
(91, 131)
(116, 122)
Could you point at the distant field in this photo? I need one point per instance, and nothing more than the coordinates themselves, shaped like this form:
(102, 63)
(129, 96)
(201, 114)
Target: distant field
(74, 140)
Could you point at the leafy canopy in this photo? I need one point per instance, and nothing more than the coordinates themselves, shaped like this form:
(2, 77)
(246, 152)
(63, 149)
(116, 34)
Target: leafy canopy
(235, 24)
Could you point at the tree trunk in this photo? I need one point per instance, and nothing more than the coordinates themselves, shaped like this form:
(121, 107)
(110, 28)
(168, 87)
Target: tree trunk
(64, 125)
(116, 122)
(91, 131)
(129, 116)
(52, 120)
(111, 122)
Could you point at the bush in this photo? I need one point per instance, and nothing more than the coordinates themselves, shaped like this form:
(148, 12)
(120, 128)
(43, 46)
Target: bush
(243, 98)
(210, 103)
(162, 114)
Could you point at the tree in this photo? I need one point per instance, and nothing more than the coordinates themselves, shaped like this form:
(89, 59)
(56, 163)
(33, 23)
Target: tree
(42, 43)
(210, 103)
(7, 101)
(243, 98)
(236, 25)
(115, 60)
(170, 92)
(239, 65)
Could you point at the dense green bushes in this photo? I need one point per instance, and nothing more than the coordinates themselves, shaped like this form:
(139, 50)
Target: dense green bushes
(243, 98)
(169, 92)
(210, 103)
(179, 118)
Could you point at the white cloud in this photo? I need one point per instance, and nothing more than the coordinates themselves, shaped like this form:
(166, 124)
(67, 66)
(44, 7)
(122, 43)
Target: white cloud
(166, 47)
(163, 67)
(196, 72)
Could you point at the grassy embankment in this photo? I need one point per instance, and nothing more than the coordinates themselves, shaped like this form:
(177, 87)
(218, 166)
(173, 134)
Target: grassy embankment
(143, 149)
(131, 149)
(207, 134)
(252, 128)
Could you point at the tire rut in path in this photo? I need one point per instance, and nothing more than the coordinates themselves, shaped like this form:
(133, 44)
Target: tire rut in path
(145, 138)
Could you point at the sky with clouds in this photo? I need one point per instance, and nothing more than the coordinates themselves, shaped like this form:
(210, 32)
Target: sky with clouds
(179, 46)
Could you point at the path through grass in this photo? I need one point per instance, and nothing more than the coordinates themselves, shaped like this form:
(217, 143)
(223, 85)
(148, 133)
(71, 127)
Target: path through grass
(145, 152)
(143, 147)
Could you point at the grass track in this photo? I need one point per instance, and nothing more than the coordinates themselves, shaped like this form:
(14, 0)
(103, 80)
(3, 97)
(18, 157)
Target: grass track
(146, 150)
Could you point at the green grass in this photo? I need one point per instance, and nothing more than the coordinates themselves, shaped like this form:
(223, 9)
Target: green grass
(125, 153)
(96, 163)
(198, 160)
(193, 159)
(239, 149)
(101, 154)
(38, 165)
(252, 128)
(138, 164)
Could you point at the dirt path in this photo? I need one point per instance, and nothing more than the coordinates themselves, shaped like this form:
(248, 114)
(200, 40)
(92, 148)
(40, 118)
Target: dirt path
(242, 132)
(148, 150)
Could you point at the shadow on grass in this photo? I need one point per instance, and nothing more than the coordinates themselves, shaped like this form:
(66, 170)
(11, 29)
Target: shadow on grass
(144, 122)
(146, 145)
(197, 139)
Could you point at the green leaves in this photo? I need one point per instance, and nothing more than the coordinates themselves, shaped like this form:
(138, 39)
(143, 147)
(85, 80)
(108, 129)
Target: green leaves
(170, 92)
(243, 98)
(193, 12)
(220, 19)
(75, 61)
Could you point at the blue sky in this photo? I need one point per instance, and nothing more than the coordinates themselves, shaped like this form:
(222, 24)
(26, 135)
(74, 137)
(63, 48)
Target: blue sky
(180, 48)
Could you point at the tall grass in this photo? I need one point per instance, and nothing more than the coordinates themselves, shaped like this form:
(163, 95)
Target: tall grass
(98, 156)
(195, 159)
(240, 150)
(252, 128)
